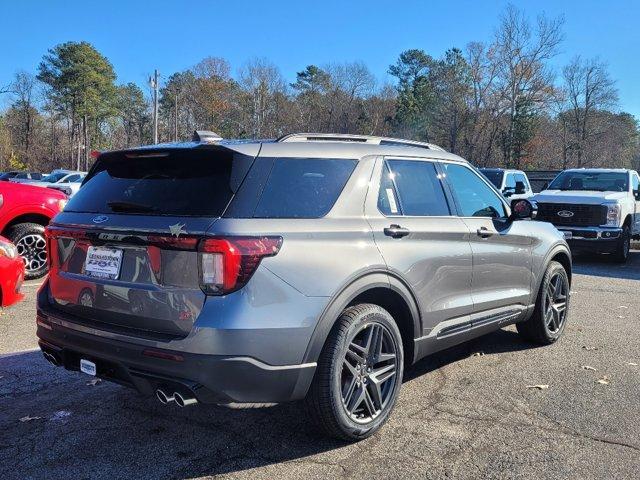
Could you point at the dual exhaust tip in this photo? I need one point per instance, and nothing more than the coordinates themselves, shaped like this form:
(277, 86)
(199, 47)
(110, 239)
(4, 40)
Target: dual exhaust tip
(181, 399)
(51, 358)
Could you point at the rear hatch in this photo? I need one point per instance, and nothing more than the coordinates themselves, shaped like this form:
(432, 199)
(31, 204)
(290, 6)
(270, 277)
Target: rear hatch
(124, 253)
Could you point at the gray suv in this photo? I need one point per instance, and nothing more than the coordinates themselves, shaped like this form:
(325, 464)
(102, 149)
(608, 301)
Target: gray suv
(311, 267)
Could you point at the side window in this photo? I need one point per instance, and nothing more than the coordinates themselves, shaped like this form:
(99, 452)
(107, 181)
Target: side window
(522, 178)
(412, 188)
(22, 175)
(635, 182)
(303, 187)
(510, 182)
(474, 197)
(72, 178)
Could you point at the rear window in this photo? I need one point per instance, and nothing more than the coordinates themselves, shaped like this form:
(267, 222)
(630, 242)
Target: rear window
(303, 187)
(181, 183)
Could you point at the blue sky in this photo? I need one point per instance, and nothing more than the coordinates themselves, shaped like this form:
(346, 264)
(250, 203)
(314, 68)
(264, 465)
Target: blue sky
(171, 35)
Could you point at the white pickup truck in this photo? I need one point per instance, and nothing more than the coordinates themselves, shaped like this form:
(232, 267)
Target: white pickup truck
(597, 208)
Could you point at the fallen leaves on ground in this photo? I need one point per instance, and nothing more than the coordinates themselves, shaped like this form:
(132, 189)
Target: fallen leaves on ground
(29, 419)
(478, 354)
(633, 364)
(604, 380)
(538, 387)
(589, 349)
(588, 367)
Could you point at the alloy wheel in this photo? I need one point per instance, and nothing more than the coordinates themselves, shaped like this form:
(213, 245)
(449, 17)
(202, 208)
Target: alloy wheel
(368, 376)
(556, 297)
(33, 249)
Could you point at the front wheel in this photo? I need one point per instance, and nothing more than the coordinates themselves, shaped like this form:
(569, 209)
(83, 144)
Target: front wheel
(621, 255)
(549, 317)
(32, 247)
(359, 374)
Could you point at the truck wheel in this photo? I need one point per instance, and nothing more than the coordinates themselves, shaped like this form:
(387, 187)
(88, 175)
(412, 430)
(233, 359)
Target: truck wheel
(359, 374)
(621, 255)
(549, 317)
(32, 247)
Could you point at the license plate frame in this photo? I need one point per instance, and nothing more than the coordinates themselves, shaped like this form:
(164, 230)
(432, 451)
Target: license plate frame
(103, 262)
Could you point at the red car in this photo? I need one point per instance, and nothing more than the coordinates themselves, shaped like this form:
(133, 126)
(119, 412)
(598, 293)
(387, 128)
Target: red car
(24, 212)
(11, 273)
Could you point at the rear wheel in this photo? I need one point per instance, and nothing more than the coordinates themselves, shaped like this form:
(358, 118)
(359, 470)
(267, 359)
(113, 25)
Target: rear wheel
(621, 255)
(549, 317)
(359, 374)
(32, 247)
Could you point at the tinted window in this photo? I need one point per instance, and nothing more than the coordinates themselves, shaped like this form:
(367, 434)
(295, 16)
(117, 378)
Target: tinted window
(494, 176)
(303, 187)
(185, 183)
(593, 181)
(474, 197)
(22, 175)
(54, 177)
(418, 191)
(72, 178)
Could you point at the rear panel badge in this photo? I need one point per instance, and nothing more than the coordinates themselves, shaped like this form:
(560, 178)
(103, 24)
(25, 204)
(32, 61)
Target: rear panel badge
(100, 219)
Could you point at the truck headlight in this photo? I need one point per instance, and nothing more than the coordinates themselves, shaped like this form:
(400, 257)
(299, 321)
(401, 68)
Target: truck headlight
(613, 215)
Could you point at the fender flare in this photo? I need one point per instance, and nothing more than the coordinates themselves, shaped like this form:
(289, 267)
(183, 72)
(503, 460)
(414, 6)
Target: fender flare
(346, 294)
(558, 248)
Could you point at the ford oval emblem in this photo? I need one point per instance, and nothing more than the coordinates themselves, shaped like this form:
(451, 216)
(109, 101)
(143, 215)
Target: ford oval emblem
(565, 213)
(100, 219)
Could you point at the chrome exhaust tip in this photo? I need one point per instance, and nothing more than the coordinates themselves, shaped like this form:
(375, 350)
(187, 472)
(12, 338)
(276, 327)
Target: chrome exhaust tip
(184, 400)
(163, 397)
(52, 359)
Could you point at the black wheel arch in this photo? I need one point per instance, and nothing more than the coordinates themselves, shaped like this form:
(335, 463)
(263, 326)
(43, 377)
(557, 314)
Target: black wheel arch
(561, 254)
(379, 287)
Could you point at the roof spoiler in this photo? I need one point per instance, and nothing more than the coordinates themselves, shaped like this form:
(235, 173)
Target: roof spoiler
(206, 136)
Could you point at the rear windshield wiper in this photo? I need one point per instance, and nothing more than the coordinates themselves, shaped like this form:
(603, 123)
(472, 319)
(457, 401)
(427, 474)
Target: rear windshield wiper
(120, 206)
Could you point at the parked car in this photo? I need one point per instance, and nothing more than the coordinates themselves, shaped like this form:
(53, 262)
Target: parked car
(53, 177)
(20, 176)
(24, 212)
(69, 184)
(598, 209)
(312, 267)
(11, 273)
(513, 184)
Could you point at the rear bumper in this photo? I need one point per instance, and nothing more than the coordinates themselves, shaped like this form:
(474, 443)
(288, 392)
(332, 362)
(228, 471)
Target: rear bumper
(213, 379)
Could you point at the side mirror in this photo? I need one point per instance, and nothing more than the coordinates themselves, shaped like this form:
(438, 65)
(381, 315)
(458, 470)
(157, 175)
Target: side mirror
(507, 191)
(520, 188)
(521, 209)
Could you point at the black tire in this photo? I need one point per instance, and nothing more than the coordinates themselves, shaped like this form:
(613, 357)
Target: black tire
(621, 255)
(539, 328)
(31, 243)
(334, 379)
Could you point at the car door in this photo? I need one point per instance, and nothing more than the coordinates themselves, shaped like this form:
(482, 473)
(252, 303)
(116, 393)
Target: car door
(420, 238)
(635, 191)
(501, 248)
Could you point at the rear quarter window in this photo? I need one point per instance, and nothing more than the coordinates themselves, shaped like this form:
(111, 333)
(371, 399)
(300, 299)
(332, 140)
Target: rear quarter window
(303, 187)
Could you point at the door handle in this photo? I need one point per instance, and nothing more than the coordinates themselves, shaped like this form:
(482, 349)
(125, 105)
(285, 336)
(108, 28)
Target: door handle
(484, 232)
(396, 231)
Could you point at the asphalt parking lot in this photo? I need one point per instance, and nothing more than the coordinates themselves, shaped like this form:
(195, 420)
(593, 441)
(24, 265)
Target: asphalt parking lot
(464, 413)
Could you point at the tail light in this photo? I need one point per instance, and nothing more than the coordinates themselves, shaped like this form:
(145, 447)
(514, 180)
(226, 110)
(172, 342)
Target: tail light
(227, 264)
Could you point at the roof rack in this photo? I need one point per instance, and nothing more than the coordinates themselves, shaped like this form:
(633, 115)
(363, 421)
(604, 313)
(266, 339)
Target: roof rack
(343, 137)
(206, 136)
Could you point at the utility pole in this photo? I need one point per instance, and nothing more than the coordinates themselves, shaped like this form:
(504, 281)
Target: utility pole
(153, 83)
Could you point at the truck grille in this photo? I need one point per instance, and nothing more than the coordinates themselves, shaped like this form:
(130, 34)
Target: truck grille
(583, 215)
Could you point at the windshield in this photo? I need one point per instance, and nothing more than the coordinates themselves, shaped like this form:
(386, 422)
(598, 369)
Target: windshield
(54, 177)
(593, 181)
(494, 176)
(9, 174)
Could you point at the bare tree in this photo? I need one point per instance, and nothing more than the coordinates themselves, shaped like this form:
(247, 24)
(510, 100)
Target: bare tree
(521, 54)
(588, 88)
(23, 88)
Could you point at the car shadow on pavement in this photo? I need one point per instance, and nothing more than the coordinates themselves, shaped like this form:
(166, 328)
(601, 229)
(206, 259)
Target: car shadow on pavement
(603, 266)
(55, 423)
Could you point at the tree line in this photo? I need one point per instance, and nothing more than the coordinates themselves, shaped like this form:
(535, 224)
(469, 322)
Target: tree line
(496, 103)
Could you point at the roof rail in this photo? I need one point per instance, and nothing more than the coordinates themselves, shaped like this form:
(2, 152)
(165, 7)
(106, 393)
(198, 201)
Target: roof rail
(205, 136)
(344, 137)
